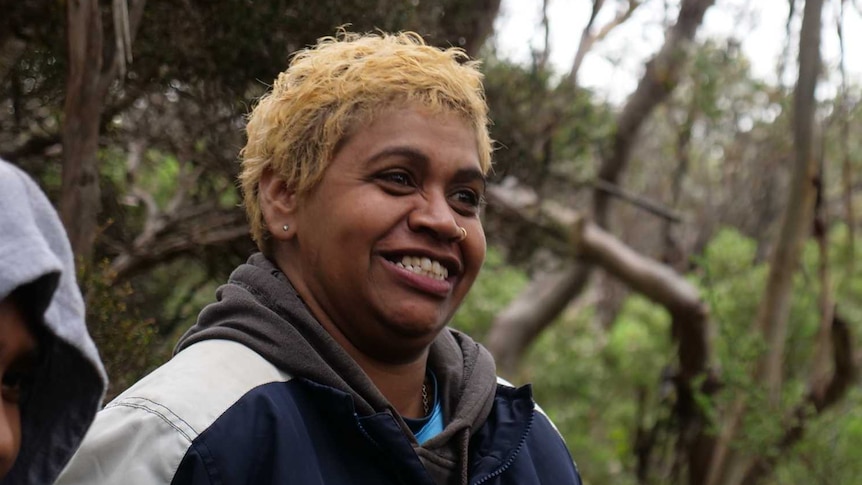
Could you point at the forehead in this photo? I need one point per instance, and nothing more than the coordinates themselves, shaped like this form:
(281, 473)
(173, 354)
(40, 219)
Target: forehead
(438, 134)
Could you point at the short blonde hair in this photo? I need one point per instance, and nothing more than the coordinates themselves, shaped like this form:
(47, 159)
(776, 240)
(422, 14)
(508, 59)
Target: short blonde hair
(296, 128)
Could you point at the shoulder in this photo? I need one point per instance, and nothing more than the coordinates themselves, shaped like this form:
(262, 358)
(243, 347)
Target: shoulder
(545, 445)
(147, 430)
(200, 383)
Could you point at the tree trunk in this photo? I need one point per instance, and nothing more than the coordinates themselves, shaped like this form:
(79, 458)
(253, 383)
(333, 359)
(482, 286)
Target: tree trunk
(79, 199)
(729, 467)
(90, 75)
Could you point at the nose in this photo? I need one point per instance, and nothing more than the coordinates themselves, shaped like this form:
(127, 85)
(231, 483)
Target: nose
(10, 433)
(434, 215)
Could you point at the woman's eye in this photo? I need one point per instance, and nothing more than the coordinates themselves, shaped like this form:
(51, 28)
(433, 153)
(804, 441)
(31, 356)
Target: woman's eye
(15, 385)
(398, 178)
(397, 181)
(468, 198)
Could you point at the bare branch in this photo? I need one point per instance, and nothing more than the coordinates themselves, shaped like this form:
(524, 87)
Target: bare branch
(595, 246)
(784, 58)
(546, 27)
(640, 202)
(589, 38)
(122, 35)
(846, 163)
(197, 227)
(661, 76)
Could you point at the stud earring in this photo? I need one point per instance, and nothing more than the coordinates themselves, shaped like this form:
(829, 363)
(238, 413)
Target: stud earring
(285, 228)
(463, 234)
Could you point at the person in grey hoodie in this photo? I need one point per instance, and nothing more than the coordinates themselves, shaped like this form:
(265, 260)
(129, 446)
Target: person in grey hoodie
(53, 381)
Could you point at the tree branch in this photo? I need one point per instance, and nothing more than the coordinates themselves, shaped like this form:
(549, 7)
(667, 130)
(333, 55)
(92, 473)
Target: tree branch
(593, 245)
(640, 202)
(589, 39)
(661, 77)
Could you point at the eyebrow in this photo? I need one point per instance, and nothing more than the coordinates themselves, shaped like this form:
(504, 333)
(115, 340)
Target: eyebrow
(461, 175)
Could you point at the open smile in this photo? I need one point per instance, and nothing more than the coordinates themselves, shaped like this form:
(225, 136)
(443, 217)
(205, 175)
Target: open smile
(421, 272)
(424, 266)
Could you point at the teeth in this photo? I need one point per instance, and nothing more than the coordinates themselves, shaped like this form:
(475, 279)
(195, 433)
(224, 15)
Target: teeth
(424, 266)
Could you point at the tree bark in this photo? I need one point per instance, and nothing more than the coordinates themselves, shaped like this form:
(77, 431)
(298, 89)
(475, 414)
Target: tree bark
(729, 467)
(90, 76)
(79, 199)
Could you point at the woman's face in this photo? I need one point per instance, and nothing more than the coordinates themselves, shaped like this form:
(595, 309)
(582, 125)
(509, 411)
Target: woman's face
(17, 358)
(377, 251)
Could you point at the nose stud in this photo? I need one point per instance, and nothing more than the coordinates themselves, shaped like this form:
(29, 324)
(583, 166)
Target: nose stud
(462, 234)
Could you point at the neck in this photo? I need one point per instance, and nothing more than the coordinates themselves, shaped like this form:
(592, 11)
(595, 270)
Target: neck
(401, 384)
(400, 381)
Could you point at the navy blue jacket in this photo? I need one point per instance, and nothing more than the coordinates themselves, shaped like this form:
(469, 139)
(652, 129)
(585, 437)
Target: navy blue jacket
(218, 413)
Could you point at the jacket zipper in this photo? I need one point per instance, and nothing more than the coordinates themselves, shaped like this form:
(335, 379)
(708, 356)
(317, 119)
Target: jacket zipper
(380, 449)
(514, 455)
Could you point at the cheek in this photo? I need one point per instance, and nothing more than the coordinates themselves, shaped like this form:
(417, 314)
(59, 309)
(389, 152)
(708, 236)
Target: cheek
(475, 250)
(10, 437)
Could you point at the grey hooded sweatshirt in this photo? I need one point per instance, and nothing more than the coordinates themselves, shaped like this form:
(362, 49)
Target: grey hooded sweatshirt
(70, 381)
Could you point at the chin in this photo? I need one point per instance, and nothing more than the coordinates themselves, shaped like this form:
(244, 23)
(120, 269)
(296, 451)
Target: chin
(416, 323)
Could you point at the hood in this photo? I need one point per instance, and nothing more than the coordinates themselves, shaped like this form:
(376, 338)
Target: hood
(259, 308)
(70, 380)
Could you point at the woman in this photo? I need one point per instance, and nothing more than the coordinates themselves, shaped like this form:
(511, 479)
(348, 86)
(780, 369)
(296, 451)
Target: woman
(326, 358)
(53, 380)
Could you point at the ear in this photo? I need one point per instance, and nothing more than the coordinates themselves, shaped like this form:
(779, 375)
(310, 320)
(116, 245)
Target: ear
(278, 205)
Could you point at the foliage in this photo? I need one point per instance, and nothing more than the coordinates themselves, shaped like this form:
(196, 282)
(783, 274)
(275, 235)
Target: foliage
(125, 341)
(600, 386)
(547, 134)
(565, 125)
(496, 286)
(589, 382)
(830, 453)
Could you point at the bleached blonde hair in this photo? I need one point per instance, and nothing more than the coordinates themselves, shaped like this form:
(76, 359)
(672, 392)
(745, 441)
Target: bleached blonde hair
(297, 127)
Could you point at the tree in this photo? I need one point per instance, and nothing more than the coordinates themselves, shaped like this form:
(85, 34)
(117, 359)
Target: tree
(536, 308)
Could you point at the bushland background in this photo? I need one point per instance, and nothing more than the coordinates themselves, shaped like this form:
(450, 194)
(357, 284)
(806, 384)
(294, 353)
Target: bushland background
(676, 273)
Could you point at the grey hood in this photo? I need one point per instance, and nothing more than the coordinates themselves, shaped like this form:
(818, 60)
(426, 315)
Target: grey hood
(70, 381)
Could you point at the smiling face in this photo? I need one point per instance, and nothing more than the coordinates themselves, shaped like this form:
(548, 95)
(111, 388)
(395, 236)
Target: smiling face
(375, 249)
(17, 360)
